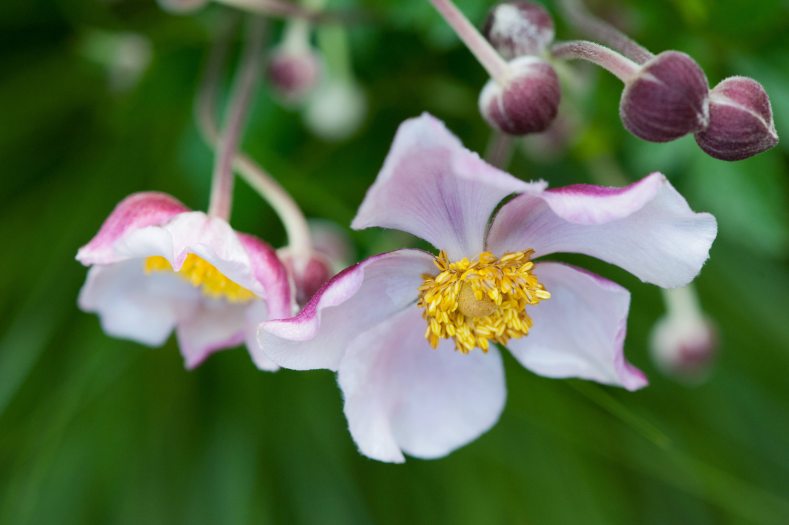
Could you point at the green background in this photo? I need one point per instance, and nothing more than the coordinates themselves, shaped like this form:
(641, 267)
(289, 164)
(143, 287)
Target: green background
(97, 430)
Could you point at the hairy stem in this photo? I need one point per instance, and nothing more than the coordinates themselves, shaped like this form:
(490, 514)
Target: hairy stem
(576, 14)
(622, 67)
(497, 67)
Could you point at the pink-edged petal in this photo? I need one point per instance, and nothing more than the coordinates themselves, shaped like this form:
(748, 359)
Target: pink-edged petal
(580, 330)
(136, 211)
(271, 275)
(132, 305)
(210, 238)
(213, 326)
(647, 228)
(434, 188)
(352, 302)
(403, 396)
(257, 313)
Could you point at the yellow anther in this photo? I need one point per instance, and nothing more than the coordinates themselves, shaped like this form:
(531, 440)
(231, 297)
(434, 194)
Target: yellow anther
(481, 301)
(201, 274)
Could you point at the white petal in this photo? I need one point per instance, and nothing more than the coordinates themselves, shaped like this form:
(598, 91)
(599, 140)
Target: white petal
(580, 330)
(215, 325)
(434, 188)
(403, 396)
(136, 306)
(353, 301)
(647, 228)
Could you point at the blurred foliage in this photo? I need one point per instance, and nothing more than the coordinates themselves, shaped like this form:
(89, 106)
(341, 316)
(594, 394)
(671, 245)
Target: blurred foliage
(96, 430)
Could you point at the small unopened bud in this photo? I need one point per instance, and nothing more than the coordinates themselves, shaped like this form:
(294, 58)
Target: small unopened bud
(519, 28)
(309, 276)
(684, 342)
(667, 98)
(741, 121)
(182, 6)
(293, 74)
(335, 109)
(529, 101)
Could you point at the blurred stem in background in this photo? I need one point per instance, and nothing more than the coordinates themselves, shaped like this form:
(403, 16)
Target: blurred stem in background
(283, 204)
(227, 144)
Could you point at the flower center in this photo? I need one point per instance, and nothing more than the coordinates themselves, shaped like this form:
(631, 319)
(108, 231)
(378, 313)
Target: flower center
(201, 274)
(476, 302)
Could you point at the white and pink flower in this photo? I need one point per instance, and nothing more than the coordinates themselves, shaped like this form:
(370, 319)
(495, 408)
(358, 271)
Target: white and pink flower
(375, 322)
(156, 266)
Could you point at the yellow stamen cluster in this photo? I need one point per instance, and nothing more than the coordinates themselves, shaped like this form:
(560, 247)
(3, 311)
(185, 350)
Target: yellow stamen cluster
(476, 302)
(204, 275)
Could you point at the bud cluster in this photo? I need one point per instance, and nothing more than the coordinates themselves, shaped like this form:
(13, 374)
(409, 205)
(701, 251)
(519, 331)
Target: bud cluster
(666, 96)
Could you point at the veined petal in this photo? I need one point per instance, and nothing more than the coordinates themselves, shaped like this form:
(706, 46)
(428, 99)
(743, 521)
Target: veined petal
(271, 275)
(403, 396)
(352, 302)
(580, 330)
(135, 211)
(132, 305)
(647, 228)
(434, 188)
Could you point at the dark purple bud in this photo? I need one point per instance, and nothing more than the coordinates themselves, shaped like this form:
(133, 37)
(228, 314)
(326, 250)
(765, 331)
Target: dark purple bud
(293, 74)
(519, 28)
(741, 121)
(529, 101)
(667, 98)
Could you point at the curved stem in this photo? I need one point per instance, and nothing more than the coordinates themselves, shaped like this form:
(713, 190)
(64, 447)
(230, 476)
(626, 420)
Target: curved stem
(576, 13)
(283, 204)
(500, 149)
(249, 72)
(288, 10)
(487, 56)
(622, 67)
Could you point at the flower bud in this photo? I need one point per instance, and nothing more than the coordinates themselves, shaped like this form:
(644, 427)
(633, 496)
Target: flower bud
(741, 121)
(182, 6)
(519, 28)
(293, 74)
(529, 101)
(308, 277)
(684, 342)
(335, 109)
(667, 98)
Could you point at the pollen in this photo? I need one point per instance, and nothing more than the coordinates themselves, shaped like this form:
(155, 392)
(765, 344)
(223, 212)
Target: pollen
(201, 274)
(481, 301)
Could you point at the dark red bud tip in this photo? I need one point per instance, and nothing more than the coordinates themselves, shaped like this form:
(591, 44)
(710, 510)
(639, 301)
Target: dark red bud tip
(519, 28)
(667, 99)
(741, 121)
(310, 278)
(293, 74)
(528, 103)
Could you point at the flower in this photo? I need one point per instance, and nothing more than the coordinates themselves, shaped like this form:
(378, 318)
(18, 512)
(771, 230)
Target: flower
(375, 322)
(156, 266)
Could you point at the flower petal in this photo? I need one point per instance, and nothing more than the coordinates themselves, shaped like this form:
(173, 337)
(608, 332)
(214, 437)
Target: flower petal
(580, 330)
(271, 275)
(215, 325)
(135, 211)
(403, 396)
(257, 313)
(132, 305)
(647, 228)
(350, 303)
(434, 188)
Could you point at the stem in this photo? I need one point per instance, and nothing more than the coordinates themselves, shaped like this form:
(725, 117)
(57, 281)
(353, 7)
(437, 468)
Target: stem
(622, 67)
(247, 77)
(500, 149)
(576, 13)
(287, 10)
(488, 57)
(682, 302)
(283, 204)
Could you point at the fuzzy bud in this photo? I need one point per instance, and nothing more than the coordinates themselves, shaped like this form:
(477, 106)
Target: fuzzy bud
(741, 121)
(667, 98)
(529, 101)
(519, 28)
(293, 74)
